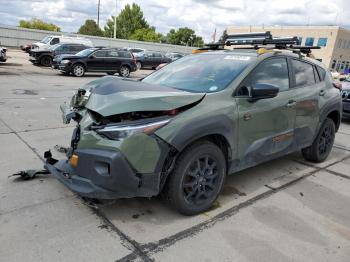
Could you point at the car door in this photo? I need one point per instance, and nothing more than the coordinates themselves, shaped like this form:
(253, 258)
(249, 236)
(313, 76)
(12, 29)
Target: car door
(113, 60)
(307, 93)
(147, 59)
(96, 61)
(157, 59)
(266, 126)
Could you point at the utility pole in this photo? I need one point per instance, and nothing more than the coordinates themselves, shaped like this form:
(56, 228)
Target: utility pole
(98, 14)
(115, 19)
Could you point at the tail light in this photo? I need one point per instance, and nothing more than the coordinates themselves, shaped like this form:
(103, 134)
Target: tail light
(133, 58)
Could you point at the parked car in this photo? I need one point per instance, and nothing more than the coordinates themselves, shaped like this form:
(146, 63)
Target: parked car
(346, 97)
(45, 56)
(3, 56)
(183, 129)
(26, 47)
(107, 60)
(55, 39)
(174, 56)
(135, 51)
(149, 59)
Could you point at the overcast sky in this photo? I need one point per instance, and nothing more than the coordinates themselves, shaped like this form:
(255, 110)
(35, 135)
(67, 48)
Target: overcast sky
(201, 15)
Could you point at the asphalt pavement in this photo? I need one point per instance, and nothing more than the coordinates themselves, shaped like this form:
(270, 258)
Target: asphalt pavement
(285, 210)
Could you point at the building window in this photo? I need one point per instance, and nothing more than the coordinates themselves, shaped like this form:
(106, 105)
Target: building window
(342, 65)
(347, 65)
(339, 43)
(344, 44)
(333, 63)
(337, 67)
(300, 39)
(322, 41)
(309, 41)
(348, 45)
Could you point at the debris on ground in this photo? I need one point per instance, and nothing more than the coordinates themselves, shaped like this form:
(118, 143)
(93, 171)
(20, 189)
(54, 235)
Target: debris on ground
(30, 173)
(61, 149)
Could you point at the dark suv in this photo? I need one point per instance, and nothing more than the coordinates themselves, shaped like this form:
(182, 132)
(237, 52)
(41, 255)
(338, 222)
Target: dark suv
(184, 128)
(346, 97)
(150, 59)
(109, 60)
(45, 56)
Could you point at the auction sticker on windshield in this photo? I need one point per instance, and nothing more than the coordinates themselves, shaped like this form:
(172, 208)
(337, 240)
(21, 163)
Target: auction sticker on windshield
(237, 57)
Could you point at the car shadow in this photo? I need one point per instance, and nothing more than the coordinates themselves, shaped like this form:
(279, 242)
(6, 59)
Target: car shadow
(155, 215)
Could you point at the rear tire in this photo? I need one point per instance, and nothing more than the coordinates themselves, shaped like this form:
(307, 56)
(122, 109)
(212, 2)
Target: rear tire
(138, 65)
(197, 178)
(78, 70)
(323, 143)
(124, 71)
(46, 61)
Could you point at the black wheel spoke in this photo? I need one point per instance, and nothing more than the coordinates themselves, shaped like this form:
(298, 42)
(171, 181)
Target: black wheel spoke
(200, 180)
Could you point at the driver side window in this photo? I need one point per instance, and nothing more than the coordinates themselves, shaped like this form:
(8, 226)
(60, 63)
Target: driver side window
(54, 41)
(273, 71)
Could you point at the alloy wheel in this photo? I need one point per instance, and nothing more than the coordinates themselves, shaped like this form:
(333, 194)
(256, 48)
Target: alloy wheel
(124, 71)
(325, 140)
(200, 180)
(78, 70)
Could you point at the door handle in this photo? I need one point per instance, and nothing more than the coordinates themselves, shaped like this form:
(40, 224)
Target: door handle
(322, 93)
(291, 103)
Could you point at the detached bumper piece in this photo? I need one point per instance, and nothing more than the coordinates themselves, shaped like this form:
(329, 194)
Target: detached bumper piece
(102, 174)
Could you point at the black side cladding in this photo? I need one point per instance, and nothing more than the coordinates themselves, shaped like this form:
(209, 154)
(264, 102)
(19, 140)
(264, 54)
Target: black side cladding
(115, 85)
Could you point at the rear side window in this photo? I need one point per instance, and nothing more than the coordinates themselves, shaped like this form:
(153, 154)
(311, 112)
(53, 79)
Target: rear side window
(303, 72)
(272, 71)
(113, 53)
(157, 55)
(101, 53)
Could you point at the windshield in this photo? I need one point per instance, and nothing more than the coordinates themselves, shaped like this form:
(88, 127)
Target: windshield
(201, 72)
(46, 40)
(85, 52)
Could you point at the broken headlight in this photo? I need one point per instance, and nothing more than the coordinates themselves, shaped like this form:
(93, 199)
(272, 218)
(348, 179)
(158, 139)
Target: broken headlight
(120, 132)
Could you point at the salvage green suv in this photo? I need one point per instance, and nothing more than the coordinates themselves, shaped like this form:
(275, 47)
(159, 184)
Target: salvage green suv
(183, 128)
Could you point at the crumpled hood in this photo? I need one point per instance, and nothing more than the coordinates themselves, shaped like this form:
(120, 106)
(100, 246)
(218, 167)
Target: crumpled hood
(114, 95)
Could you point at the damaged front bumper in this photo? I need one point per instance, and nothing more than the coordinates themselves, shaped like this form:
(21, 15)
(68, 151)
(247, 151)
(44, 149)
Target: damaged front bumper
(103, 174)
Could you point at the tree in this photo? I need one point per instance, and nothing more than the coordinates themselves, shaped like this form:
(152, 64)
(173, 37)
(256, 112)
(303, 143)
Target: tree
(184, 36)
(146, 34)
(90, 27)
(128, 21)
(35, 23)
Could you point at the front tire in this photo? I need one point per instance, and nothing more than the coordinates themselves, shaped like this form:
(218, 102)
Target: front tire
(197, 178)
(138, 65)
(78, 70)
(46, 61)
(323, 143)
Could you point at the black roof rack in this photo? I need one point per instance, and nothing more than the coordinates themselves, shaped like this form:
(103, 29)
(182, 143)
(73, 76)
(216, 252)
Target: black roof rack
(260, 40)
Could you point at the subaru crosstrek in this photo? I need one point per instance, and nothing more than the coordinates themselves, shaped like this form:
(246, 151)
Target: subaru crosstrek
(181, 130)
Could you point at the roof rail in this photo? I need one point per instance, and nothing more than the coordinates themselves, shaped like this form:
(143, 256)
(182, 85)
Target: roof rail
(260, 40)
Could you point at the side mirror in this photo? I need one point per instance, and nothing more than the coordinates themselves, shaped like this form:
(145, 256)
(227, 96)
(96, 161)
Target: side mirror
(262, 91)
(92, 57)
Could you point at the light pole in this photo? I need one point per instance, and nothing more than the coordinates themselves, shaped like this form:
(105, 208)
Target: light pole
(98, 14)
(115, 19)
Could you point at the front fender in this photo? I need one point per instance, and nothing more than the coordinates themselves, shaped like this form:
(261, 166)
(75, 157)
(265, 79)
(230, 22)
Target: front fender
(181, 135)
